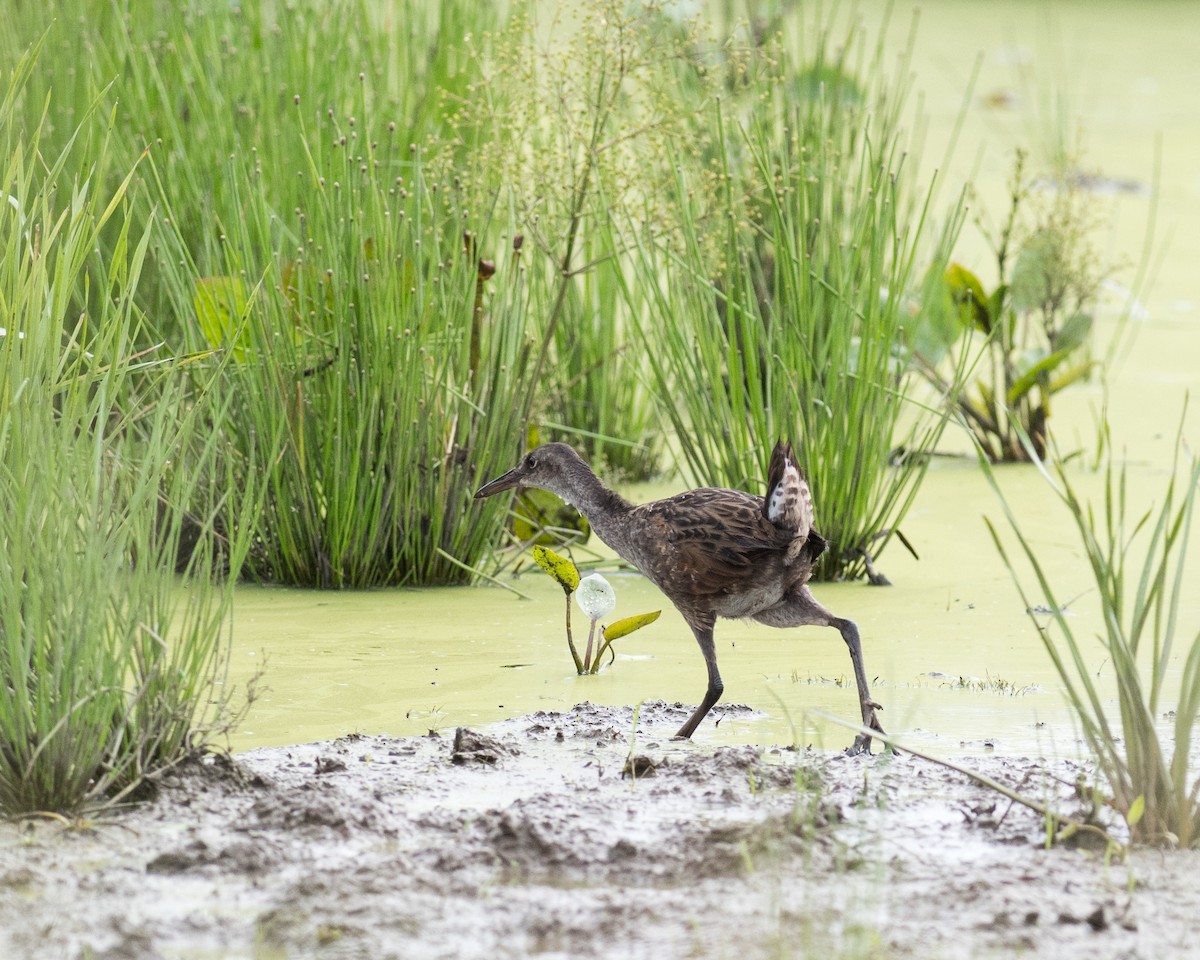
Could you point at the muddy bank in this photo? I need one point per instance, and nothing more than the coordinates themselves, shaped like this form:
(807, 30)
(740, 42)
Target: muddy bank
(533, 838)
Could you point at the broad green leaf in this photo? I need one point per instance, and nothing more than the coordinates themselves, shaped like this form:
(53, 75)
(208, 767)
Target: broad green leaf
(626, 625)
(969, 299)
(560, 568)
(220, 304)
(1071, 374)
(997, 301)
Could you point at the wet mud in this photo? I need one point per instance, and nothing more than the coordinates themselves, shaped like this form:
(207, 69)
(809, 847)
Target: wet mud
(581, 834)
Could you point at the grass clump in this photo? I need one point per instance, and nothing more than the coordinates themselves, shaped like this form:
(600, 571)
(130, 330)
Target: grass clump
(778, 302)
(311, 258)
(367, 370)
(579, 117)
(110, 667)
(1137, 563)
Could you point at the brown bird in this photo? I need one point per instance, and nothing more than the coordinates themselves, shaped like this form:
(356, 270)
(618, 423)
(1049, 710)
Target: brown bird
(714, 552)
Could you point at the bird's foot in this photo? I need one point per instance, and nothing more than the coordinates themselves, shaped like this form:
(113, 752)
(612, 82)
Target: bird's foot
(862, 743)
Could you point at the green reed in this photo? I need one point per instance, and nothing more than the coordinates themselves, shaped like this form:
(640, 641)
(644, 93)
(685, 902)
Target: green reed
(1137, 562)
(379, 368)
(359, 351)
(779, 301)
(111, 666)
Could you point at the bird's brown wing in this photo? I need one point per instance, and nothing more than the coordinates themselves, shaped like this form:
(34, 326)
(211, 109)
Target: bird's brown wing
(708, 541)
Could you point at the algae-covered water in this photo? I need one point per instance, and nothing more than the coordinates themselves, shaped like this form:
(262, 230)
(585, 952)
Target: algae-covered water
(954, 658)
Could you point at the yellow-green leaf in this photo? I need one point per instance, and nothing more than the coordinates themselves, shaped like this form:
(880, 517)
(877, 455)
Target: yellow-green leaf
(1035, 363)
(1072, 374)
(560, 568)
(967, 293)
(1136, 809)
(1074, 333)
(626, 625)
(220, 304)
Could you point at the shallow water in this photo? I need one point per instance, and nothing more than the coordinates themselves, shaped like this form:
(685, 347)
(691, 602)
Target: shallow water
(404, 661)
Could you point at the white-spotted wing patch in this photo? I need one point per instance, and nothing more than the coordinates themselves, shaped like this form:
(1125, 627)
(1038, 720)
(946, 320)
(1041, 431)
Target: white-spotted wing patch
(789, 501)
(783, 506)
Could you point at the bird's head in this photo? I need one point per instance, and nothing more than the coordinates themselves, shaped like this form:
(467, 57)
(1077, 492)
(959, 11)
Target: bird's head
(549, 467)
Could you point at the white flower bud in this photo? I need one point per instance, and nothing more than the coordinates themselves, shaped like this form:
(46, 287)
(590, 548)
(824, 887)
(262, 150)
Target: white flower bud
(595, 596)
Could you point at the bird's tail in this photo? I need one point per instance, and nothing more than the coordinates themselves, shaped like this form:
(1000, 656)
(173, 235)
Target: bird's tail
(788, 503)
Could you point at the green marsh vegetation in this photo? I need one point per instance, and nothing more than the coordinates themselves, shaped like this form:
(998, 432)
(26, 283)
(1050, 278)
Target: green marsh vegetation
(376, 321)
(405, 246)
(111, 665)
(1033, 333)
(1136, 557)
(777, 301)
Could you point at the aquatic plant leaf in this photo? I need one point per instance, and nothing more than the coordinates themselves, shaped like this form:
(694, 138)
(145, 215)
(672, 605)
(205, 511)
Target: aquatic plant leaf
(626, 625)
(1071, 374)
(997, 302)
(560, 568)
(595, 597)
(220, 304)
(1039, 363)
(968, 297)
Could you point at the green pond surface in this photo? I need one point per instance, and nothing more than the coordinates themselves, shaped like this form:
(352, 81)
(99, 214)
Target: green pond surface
(953, 657)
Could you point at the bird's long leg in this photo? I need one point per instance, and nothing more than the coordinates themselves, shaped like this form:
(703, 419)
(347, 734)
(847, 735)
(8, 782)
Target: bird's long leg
(801, 609)
(703, 628)
(849, 631)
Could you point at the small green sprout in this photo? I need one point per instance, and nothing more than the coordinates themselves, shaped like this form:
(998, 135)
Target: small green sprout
(597, 599)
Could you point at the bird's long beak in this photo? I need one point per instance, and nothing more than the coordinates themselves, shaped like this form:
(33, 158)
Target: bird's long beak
(509, 481)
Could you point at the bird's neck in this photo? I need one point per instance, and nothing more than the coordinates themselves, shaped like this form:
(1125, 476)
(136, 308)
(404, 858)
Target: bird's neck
(605, 509)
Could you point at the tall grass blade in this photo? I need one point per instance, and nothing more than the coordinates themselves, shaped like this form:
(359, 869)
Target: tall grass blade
(1157, 796)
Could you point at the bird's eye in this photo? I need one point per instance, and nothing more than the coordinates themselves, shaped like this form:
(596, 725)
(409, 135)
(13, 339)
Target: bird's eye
(530, 462)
